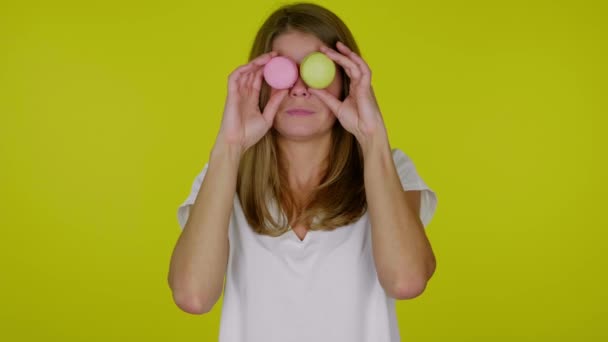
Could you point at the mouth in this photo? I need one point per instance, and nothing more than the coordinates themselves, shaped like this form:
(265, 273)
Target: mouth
(299, 111)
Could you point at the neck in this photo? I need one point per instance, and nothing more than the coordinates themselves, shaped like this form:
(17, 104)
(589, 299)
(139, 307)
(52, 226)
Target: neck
(305, 161)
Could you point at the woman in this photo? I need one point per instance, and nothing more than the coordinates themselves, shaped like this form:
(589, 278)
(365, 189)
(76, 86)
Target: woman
(306, 215)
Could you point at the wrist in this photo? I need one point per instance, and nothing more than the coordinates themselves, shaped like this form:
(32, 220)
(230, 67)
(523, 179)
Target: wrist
(225, 150)
(374, 143)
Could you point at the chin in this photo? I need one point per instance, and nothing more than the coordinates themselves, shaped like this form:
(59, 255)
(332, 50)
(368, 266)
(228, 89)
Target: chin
(297, 132)
(302, 132)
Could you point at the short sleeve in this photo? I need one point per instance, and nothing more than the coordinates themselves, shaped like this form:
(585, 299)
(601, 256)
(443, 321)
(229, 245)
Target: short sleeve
(183, 211)
(410, 180)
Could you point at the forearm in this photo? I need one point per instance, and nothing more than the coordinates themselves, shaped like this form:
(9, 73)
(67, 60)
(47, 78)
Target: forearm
(200, 257)
(401, 250)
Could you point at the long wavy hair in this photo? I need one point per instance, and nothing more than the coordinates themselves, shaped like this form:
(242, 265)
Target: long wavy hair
(262, 185)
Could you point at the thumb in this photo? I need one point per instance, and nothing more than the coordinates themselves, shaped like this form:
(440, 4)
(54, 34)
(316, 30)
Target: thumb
(331, 101)
(273, 105)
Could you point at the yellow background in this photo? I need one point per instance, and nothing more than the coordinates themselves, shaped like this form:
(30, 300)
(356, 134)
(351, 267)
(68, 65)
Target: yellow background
(109, 110)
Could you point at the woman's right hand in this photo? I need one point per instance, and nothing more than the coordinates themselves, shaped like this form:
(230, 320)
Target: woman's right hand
(243, 124)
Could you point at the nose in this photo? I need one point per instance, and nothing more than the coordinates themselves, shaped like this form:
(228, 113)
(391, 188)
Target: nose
(299, 89)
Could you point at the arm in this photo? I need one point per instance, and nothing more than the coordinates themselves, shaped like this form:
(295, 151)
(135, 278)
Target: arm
(402, 253)
(200, 257)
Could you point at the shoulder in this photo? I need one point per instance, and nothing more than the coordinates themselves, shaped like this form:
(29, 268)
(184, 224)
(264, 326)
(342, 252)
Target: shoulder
(399, 157)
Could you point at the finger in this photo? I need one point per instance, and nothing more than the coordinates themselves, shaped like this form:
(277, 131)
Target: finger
(263, 58)
(256, 83)
(250, 79)
(356, 58)
(273, 104)
(243, 80)
(352, 69)
(236, 76)
(331, 101)
(253, 89)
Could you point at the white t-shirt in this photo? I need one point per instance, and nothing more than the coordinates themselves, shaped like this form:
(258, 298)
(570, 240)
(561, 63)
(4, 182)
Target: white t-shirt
(323, 288)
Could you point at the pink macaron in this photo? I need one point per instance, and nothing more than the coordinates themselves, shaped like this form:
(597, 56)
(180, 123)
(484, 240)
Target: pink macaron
(281, 72)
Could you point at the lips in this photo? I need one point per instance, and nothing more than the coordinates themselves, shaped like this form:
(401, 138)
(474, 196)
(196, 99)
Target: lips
(299, 111)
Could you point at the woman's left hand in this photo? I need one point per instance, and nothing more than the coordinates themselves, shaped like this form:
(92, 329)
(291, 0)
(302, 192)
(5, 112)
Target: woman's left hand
(359, 112)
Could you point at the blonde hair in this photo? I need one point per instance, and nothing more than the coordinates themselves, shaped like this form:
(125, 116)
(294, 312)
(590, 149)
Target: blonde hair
(262, 184)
